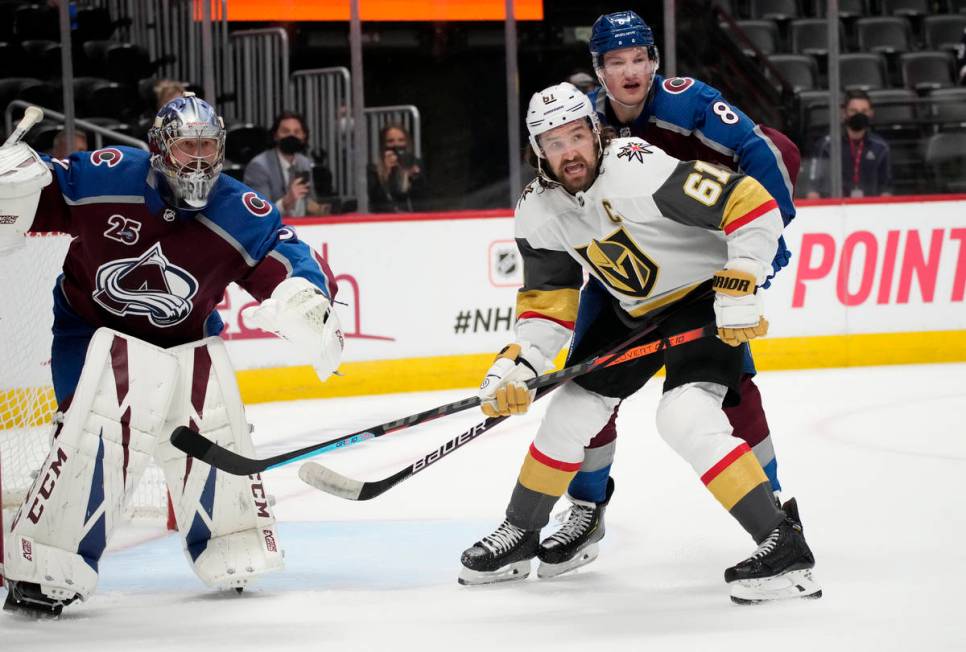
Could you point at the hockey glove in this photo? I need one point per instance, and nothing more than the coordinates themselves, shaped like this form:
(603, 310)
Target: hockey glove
(298, 312)
(504, 391)
(22, 176)
(737, 305)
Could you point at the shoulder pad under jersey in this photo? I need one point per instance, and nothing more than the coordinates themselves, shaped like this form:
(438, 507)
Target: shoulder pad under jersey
(633, 167)
(106, 174)
(681, 101)
(243, 214)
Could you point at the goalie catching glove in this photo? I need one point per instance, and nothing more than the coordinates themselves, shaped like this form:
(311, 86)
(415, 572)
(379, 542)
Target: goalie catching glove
(737, 305)
(22, 176)
(504, 390)
(298, 312)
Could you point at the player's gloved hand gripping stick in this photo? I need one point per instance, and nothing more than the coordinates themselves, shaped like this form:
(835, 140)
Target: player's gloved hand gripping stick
(192, 443)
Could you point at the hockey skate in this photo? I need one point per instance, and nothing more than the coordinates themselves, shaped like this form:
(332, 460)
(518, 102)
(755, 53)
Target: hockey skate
(26, 598)
(501, 556)
(781, 568)
(575, 543)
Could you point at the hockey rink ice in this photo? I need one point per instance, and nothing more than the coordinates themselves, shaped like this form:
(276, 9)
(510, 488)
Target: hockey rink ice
(876, 457)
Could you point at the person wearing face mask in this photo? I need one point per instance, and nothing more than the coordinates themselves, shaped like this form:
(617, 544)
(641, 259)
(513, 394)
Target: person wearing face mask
(396, 180)
(284, 173)
(866, 160)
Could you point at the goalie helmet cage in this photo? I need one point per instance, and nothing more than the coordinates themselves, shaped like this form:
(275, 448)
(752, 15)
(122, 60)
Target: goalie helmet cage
(27, 403)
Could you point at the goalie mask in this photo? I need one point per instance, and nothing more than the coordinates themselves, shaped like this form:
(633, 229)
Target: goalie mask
(188, 148)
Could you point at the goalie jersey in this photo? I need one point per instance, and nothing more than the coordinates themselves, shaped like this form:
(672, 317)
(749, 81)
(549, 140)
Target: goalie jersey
(651, 228)
(147, 270)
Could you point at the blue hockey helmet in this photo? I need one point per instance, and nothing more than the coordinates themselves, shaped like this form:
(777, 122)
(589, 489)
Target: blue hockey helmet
(187, 145)
(621, 29)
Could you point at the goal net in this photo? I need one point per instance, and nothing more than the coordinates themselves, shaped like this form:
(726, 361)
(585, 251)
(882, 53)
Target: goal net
(27, 404)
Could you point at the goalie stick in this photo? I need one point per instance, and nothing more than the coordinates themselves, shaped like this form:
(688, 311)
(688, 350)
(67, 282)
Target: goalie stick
(332, 482)
(197, 446)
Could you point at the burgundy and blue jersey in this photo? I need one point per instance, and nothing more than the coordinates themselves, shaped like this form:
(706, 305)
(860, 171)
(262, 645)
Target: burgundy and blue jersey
(690, 120)
(140, 267)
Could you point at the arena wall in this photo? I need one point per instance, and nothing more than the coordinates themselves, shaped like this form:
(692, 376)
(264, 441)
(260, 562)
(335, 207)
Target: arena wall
(428, 299)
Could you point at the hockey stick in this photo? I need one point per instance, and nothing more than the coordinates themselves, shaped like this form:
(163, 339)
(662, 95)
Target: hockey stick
(31, 116)
(197, 446)
(329, 481)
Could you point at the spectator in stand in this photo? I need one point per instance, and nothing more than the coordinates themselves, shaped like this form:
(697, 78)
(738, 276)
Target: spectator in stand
(866, 161)
(396, 181)
(961, 59)
(60, 150)
(283, 173)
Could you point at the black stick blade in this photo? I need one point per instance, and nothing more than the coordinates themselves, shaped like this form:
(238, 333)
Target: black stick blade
(194, 444)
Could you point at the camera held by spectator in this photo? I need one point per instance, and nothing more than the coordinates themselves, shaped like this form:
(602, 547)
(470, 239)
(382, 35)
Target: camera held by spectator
(396, 180)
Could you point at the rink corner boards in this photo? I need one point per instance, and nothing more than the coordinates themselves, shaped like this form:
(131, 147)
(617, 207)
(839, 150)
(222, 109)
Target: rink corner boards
(465, 371)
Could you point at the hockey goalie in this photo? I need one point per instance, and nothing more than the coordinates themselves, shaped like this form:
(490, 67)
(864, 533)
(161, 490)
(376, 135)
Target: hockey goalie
(156, 239)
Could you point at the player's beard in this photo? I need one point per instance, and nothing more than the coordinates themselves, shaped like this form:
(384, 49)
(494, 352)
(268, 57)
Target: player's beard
(576, 181)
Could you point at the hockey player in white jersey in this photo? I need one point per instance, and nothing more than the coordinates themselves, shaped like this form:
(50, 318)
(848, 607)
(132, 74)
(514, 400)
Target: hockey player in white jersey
(679, 243)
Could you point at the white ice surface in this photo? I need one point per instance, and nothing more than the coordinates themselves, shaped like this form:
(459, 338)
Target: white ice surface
(876, 457)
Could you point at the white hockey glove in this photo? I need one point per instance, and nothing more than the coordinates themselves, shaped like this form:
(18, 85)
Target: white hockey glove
(504, 391)
(298, 312)
(22, 176)
(737, 305)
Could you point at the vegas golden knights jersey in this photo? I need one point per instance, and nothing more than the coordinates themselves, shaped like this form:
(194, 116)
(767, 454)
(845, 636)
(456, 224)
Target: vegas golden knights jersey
(651, 228)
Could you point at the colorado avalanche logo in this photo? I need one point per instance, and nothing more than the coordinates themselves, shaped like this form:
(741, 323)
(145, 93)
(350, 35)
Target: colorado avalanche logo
(109, 157)
(256, 205)
(147, 286)
(677, 85)
(634, 151)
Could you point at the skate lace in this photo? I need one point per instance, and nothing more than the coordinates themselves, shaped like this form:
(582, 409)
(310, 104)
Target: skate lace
(575, 521)
(503, 538)
(765, 547)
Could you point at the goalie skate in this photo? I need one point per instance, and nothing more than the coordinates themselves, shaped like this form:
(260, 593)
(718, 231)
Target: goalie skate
(502, 556)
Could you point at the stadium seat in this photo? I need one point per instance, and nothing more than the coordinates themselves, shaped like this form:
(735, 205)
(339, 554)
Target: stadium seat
(947, 108)
(814, 114)
(945, 154)
(957, 6)
(42, 58)
(41, 137)
(11, 87)
(11, 58)
(243, 141)
(926, 70)
(862, 71)
(93, 23)
(37, 21)
(904, 7)
(895, 111)
(944, 32)
(799, 70)
(727, 5)
(775, 9)
(127, 63)
(762, 33)
(847, 8)
(810, 36)
(886, 34)
(112, 100)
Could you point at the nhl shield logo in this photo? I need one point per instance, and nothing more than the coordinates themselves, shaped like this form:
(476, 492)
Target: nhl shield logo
(147, 286)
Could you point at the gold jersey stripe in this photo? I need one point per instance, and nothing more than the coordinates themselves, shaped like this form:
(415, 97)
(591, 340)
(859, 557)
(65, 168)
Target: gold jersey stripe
(733, 483)
(544, 479)
(645, 308)
(748, 195)
(558, 305)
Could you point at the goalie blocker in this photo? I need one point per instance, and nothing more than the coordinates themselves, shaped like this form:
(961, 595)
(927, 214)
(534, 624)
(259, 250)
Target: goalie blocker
(129, 395)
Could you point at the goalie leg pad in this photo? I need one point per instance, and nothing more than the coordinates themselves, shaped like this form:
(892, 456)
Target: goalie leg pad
(226, 523)
(97, 456)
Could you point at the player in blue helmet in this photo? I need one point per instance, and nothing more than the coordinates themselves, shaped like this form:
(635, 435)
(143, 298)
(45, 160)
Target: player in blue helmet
(690, 121)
